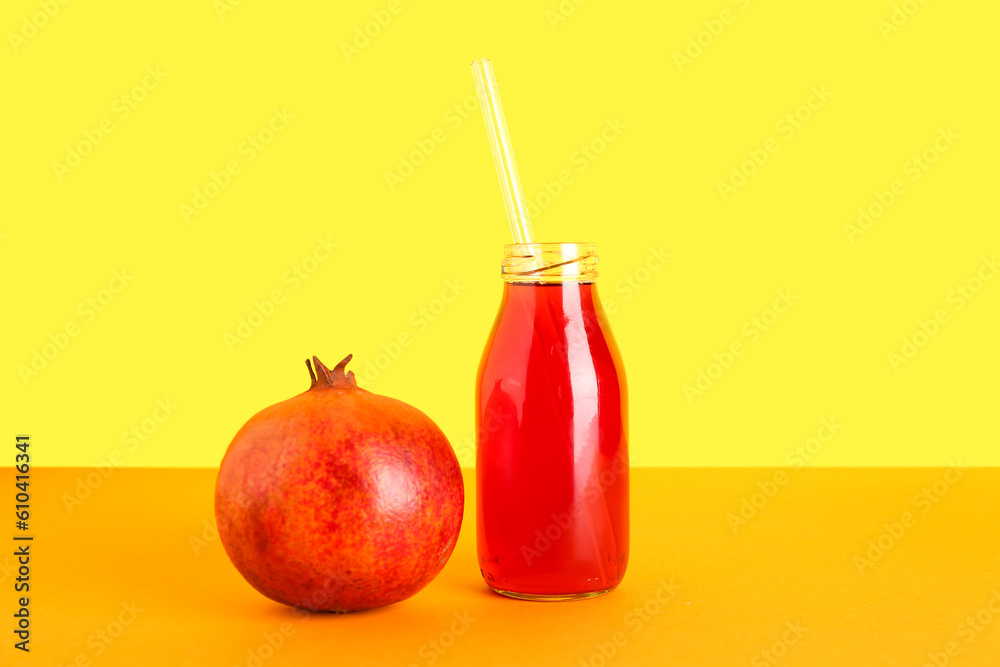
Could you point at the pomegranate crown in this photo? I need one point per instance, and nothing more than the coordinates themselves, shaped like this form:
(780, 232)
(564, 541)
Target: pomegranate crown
(335, 379)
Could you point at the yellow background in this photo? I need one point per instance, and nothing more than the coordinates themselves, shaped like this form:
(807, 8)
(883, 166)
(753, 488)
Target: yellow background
(655, 185)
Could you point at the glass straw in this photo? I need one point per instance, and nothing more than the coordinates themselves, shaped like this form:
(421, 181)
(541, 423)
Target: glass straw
(503, 155)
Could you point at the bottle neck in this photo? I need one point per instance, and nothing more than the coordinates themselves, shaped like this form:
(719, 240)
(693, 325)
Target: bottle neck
(549, 263)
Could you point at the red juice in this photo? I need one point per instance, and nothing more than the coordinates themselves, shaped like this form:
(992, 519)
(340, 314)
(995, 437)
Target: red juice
(552, 446)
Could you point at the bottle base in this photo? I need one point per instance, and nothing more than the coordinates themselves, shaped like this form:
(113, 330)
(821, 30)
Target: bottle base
(561, 597)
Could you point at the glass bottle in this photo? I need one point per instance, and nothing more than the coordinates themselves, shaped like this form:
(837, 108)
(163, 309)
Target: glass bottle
(552, 495)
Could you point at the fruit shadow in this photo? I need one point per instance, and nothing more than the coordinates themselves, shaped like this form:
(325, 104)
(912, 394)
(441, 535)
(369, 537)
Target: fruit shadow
(465, 589)
(284, 612)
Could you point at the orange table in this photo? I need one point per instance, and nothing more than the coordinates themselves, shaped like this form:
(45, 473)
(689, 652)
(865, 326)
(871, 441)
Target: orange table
(831, 567)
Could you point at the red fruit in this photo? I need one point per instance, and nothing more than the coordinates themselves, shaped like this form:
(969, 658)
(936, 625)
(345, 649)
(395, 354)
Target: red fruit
(339, 499)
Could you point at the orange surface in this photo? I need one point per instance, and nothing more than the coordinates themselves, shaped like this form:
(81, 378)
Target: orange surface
(140, 551)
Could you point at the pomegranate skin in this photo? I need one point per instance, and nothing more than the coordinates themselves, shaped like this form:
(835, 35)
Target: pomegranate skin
(339, 499)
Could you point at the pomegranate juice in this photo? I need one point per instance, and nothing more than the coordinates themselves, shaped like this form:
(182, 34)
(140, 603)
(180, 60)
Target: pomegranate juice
(552, 446)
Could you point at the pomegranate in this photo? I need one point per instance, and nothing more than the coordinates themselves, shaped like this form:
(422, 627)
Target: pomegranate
(339, 499)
